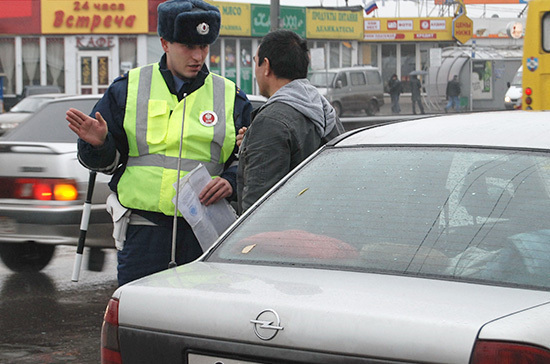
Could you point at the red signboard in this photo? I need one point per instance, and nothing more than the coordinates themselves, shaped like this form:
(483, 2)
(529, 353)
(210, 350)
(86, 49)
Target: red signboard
(19, 17)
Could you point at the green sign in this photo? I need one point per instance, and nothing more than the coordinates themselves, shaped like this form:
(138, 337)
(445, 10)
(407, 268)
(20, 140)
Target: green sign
(292, 18)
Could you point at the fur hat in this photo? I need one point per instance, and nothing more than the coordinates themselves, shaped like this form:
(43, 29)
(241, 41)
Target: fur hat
(188, 21)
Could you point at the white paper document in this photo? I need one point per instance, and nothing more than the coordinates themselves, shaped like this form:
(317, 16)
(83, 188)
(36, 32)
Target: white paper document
(207, 222)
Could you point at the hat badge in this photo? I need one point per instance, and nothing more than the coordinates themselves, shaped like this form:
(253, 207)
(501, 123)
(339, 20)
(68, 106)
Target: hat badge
(203, 28)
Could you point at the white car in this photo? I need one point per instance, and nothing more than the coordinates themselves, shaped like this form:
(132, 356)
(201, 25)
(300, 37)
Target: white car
(43, 188)
(424, 241)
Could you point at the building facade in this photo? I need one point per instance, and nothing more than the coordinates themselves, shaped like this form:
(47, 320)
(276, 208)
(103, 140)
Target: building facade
(82, 46)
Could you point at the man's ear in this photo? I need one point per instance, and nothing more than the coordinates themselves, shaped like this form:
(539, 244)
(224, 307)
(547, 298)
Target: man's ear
(267, 67)
(164, 44)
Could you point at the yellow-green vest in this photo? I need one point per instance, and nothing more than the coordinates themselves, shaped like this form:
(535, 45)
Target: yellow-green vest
(153, 125)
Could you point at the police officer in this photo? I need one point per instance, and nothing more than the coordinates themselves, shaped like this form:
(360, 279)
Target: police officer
(135, 131)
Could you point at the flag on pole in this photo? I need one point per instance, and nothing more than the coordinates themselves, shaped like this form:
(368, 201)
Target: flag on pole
(370, 6)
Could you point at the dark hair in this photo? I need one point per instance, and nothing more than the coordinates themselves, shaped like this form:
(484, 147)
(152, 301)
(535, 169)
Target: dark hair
(287, 53)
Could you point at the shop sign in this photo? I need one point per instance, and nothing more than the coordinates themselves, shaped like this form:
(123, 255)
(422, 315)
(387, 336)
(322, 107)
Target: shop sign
(93, 42)
(334, 24)
(403, 29)
(292, 18)
(495, 2)
(95, 16)
(463, 28)
(235, 18)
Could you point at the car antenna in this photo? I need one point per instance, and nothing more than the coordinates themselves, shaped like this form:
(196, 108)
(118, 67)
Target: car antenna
(84, 226)
(173, 263)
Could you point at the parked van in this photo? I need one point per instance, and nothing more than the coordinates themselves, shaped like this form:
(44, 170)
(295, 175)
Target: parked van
(358, 88)
(512, 98)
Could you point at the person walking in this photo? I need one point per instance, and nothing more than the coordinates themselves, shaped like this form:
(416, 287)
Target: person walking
(416, 94)
(135, 133)
(453, 94)
(395, 88)
(294, 122)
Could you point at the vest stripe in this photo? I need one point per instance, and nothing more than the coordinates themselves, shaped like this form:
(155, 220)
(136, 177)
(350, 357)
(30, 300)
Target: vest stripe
(144, 92)
(159, 160)
(219, 109)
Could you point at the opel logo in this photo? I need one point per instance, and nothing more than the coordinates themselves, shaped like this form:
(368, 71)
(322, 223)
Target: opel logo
(267, 324)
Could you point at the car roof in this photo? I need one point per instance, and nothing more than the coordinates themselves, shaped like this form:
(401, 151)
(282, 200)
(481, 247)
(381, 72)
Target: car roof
(508, 129)
(48, 96)
(77, 97)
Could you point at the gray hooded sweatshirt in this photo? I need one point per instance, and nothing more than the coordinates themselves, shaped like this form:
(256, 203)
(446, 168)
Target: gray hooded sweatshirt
(292, 124)
(307, 100)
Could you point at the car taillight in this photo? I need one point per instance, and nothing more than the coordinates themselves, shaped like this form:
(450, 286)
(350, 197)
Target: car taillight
(499, 352)
(45, 189)
(110, 347)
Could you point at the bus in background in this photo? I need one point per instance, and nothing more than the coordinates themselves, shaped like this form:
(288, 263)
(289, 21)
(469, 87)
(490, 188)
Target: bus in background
(536, 57)
(512, 98)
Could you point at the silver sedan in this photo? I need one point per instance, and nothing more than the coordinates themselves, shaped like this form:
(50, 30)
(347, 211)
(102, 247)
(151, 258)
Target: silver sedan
(43, 188)
(424, 241)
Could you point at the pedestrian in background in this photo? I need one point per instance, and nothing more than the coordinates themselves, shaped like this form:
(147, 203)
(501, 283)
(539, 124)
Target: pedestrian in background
(416, 94)
(395, 89)
(294, 122)
(135, 133)
(453, 94)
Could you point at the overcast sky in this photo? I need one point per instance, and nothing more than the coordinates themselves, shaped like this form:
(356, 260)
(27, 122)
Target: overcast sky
(395, 8)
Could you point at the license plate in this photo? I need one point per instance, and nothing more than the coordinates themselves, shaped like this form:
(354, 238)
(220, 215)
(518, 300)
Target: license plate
(206, 359)
(7, 225)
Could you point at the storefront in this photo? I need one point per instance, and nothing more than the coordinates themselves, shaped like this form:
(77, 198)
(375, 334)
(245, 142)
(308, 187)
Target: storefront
(82, 46)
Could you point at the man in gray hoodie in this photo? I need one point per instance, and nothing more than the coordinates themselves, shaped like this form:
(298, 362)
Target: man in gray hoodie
(294, 122)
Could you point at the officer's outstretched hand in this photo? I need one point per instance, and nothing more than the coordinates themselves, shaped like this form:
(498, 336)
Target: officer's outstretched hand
(93, 131)
(215, 190)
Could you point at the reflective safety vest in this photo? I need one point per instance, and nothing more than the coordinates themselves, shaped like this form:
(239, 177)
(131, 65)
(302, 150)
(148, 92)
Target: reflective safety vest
(153, 125)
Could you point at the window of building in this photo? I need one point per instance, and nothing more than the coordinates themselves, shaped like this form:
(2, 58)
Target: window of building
(230, 46)
(322, 45)
(127, 53)
(334, 54)
(31, 61)
(408, 64)
(55, 62)
(215, 56)
(389, 61)
(7, 64)
(246, 66)
(369, 54)
(347, 49)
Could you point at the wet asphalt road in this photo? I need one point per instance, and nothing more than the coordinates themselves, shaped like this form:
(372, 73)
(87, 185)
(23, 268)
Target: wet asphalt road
(47, 318)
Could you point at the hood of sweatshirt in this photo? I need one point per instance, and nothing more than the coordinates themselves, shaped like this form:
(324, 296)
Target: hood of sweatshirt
(305, 98)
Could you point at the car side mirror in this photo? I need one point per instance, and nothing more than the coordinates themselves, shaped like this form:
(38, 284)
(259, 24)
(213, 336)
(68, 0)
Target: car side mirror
(339, 84)
(508, 84)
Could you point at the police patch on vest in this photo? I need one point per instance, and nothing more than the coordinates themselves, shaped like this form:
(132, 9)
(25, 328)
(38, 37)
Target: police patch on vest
(208, 118)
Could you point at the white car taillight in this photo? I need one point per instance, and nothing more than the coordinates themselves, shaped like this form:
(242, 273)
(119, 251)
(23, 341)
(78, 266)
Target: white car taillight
(501, 352)
(110, 346)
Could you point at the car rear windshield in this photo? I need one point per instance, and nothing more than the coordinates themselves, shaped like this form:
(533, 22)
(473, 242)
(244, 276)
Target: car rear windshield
(475, 215)
(29, 104)
(49, 125)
